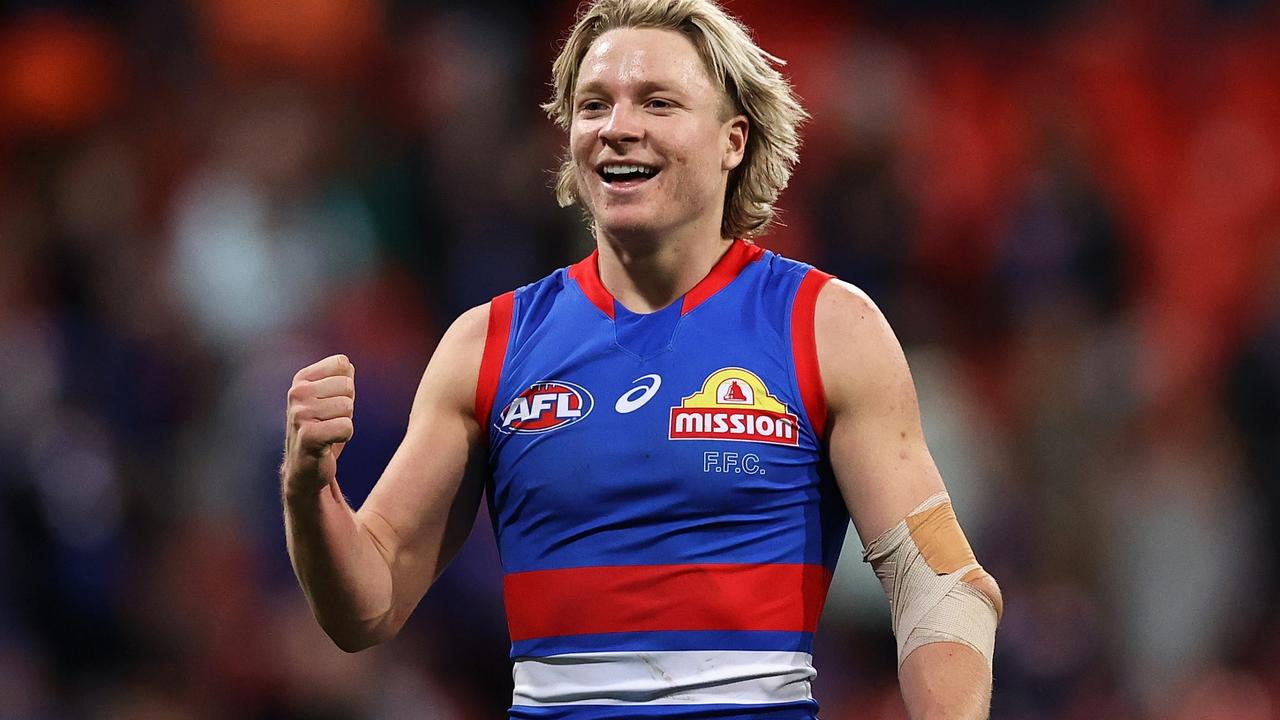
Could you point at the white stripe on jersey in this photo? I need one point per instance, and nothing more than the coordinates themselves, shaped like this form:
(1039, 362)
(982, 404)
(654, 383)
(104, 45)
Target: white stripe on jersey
(685, 677)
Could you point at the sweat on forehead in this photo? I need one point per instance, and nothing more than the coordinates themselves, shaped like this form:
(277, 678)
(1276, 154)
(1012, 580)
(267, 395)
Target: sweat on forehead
(647, 58)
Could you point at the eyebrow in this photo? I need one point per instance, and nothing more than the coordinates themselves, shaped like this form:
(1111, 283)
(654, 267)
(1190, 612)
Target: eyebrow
(644, 87)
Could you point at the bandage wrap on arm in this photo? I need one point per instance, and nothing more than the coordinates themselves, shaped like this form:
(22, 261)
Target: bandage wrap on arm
(923, 564)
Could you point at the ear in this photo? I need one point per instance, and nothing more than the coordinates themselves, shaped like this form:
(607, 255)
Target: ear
(735, 147)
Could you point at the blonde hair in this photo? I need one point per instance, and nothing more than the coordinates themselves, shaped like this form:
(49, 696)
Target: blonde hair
(744, 72)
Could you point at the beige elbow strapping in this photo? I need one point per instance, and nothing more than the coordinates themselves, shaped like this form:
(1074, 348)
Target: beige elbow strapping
(925, 565)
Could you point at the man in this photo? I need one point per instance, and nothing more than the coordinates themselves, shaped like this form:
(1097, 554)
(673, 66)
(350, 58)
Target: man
(673, 433)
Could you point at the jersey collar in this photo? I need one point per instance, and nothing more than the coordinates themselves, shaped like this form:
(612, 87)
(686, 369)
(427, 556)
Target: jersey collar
(739, 255)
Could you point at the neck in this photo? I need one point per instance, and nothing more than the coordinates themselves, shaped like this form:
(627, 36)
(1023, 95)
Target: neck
(646, 274)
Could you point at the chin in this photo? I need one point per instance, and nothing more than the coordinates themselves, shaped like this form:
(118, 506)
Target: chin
(627, 222)
(635, 232)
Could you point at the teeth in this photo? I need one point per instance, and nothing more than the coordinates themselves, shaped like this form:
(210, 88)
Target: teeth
(624, 169)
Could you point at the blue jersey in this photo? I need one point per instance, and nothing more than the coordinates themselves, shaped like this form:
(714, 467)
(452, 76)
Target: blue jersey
(665, 514)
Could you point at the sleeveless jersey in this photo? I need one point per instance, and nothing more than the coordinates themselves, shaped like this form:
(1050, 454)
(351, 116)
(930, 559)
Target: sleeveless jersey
(666, 518)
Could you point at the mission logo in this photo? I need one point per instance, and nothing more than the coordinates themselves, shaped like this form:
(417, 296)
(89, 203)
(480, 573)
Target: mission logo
(546, 406)
(734, 404)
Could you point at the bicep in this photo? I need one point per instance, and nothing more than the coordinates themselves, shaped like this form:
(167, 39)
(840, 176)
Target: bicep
(422, 508)
(876, 443)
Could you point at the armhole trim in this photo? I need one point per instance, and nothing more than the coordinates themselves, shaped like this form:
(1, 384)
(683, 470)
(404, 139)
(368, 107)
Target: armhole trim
(804, 349)
(495, 352)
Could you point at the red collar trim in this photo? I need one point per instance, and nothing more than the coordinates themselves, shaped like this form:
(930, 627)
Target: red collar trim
(586, 272)
(740, 254)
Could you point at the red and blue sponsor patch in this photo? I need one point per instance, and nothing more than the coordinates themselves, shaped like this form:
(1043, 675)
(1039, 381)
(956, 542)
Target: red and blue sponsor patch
(546, 405)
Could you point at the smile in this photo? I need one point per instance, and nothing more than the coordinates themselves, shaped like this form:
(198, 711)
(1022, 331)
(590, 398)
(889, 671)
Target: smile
(626, 175)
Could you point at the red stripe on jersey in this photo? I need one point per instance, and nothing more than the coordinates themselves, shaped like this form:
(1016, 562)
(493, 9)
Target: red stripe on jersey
(495, 352)
(638, 598)
(586, 272)
(739, 255)
(804, 349)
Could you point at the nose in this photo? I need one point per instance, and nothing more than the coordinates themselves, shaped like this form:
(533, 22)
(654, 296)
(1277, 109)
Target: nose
(624, 125)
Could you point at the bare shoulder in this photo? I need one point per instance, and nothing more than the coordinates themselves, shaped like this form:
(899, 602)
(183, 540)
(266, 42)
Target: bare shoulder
(451, 375)
(845, 307)
(858, 353)
(469, 329)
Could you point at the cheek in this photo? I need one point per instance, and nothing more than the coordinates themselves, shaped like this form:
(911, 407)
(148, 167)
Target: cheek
(697, 160)
(580, 149)
(580, 144)
(700, 151)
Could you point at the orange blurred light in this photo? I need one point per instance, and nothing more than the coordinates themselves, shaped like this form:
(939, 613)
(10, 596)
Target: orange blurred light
(57, 73)
(328, 38)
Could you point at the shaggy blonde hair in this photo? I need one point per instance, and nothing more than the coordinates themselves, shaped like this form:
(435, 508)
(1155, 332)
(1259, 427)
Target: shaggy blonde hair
(744, 72)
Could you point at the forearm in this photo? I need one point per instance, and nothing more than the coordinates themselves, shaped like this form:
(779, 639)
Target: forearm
(945, 681)
(345, 578)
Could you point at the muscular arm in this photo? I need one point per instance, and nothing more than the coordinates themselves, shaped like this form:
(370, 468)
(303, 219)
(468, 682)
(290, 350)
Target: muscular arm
(364, 572)
(884, 470)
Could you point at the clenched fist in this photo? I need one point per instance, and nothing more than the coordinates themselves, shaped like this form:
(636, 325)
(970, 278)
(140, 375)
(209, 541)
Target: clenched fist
(318, 420)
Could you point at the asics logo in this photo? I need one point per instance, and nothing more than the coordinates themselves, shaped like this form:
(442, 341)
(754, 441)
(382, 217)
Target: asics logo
(636, 397)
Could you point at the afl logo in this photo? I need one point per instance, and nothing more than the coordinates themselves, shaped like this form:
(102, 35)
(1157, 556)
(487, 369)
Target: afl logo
(546, 406)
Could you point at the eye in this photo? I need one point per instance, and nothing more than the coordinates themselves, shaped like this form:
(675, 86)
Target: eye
(661, 104)
(591, 106)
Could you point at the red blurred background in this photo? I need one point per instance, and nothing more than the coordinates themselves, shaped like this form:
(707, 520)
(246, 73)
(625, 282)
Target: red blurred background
(1069, 211)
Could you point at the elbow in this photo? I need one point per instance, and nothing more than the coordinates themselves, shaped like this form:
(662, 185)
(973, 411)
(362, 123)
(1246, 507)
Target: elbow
(352, 638)
(986, 585)
(352, 643)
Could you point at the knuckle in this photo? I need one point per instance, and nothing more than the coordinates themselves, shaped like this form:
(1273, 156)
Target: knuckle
(305, 436)
(312, 436)
(299, 414)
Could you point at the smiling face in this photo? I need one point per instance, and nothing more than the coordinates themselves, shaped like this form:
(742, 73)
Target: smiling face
(651, 141)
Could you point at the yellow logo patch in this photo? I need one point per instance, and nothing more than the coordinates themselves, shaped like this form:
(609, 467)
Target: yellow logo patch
(734, 404)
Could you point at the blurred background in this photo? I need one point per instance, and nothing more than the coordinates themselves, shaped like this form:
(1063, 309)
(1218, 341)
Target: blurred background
(1069, 211)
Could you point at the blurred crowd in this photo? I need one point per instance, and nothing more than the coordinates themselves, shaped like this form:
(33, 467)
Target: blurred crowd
(1069, 211)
